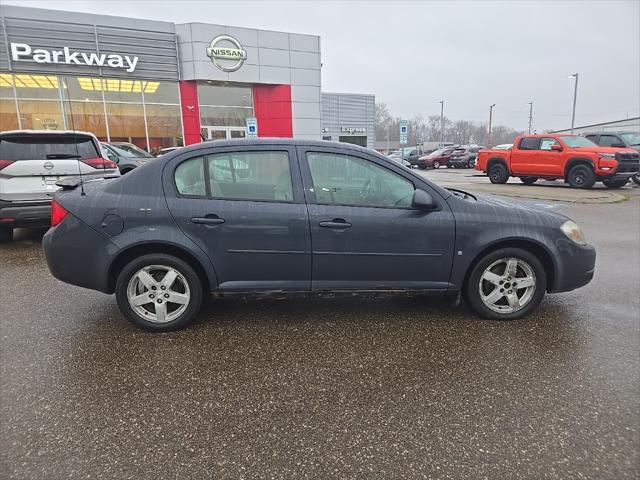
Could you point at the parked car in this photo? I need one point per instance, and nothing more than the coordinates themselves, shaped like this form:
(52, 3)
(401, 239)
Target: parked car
(617, 140)
(308, 218)
(464, 156)
(126, 155)
(31, 162)
(435, 159)
(579, 161)
(413, 155)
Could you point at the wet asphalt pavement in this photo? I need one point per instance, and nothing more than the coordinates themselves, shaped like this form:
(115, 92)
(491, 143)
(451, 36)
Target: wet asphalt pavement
(350, 388)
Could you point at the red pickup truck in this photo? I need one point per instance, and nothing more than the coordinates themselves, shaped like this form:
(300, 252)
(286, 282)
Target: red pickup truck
(577, 160)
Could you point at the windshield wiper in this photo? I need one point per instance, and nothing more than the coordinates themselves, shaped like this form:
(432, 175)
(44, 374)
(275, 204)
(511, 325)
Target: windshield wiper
(461, 193)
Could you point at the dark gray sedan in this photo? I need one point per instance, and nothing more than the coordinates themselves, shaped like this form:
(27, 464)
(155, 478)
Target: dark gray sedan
(287, 217)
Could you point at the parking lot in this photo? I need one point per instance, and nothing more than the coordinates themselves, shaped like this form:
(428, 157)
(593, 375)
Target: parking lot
(349, 388)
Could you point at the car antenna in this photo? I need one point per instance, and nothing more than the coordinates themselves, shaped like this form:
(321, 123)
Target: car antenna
(73, 127)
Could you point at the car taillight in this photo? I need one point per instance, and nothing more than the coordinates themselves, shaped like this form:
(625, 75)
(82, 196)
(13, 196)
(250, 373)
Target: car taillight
(58, 213)
(99, 162)
(5, 163)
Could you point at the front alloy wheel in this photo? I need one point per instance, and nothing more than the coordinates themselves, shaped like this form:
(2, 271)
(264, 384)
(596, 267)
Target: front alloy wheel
(506, 284)
(159, 292)
(436, 164)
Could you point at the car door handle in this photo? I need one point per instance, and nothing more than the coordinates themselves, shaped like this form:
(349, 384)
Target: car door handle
(336, 223)
(208, 220)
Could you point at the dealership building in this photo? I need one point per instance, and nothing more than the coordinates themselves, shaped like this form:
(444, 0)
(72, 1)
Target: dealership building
(160, 84)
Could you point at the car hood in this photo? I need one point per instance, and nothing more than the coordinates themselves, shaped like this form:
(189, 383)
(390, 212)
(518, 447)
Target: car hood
(526, 213)
(604, 150)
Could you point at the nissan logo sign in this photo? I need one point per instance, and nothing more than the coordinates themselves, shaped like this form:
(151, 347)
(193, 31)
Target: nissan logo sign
(226, 53)
(48, 165)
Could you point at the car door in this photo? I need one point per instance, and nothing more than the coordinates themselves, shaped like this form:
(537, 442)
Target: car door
(549, 161)
(245, 208)
(365, 233)
(524, 157)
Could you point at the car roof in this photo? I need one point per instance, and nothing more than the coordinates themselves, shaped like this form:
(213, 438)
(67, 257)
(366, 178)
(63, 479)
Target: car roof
(278, 141)
(46, 132)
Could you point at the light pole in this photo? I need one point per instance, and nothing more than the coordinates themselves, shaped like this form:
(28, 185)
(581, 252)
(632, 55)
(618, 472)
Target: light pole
(490, 119)
(575, 95)
(441, 123)
(530, 115)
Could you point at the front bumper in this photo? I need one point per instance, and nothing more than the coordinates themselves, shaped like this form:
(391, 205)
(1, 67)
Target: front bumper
(576, 266)
(25, 214)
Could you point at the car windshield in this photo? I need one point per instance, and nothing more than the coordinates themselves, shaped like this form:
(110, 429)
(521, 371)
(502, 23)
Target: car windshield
(129, 150)
(574, 141)
(631, 138)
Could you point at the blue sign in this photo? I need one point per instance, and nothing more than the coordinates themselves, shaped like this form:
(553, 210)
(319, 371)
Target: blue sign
(252, 127)
(404, 131)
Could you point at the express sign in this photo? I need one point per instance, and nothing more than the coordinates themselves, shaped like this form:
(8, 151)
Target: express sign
(21, 52)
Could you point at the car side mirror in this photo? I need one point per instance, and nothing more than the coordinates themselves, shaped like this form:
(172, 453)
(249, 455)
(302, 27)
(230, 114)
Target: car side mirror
(423, 200)
(556, 148)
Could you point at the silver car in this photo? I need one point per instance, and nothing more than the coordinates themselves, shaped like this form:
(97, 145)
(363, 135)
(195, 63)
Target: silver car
(32, 161)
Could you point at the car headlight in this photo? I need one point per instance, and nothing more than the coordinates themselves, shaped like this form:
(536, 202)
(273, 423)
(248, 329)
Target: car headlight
(573, 232)
(608, 156)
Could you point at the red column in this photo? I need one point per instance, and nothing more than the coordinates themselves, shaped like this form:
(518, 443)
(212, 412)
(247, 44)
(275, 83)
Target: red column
(272, 108)
(190, 111)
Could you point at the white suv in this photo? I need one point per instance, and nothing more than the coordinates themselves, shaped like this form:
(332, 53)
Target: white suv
(32, 161)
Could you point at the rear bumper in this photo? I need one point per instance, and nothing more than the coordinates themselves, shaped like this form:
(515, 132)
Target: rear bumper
(25, 214)
(576, 266)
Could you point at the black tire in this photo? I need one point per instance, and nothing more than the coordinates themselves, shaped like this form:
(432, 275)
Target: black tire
(6, 234)
(581, 176)
(436, 164)
(195, 287)
(472, 288)
(422, 167)
(498, 173)
(636, 179)
(528, 180)
(610, 183)
(126, 170)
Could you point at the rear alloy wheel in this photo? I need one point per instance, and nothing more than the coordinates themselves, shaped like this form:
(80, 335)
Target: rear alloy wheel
(498, 173)
(610, 183)
(528, 180)
(636, 179)
(506, 284)
(159, 292)
(436, 164)
(581, 176)
(6, 234)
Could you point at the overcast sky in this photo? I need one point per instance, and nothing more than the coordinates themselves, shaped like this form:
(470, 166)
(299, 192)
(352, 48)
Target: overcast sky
(471, 54)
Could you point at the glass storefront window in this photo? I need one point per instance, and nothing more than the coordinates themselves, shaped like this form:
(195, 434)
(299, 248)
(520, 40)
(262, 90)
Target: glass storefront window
(84, 102)
(41, 114)
(87, 117)
(126, 123)
(164, 124)
(32, 86)
(224, 96)
(224, 116)
(162, 92)
(8, 115)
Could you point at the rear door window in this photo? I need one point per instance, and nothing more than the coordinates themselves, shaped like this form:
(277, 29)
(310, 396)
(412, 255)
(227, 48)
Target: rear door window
(44, 147)
(529, 143)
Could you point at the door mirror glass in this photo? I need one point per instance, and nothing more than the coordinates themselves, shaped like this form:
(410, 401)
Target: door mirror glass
(423, 200)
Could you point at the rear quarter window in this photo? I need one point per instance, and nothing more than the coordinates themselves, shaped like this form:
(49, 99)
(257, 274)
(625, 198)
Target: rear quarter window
(37, 147)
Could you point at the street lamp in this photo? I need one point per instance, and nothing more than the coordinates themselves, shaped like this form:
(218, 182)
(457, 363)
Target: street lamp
(490, 119)
(441, 123)
(530, 115)
(575, 95)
